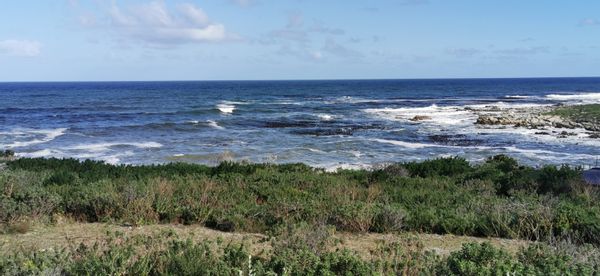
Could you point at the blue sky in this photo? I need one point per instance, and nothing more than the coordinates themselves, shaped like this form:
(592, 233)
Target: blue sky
(78, 40)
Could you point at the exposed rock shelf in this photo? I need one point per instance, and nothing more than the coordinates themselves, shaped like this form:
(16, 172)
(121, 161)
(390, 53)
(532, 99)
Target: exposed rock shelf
(534, 117)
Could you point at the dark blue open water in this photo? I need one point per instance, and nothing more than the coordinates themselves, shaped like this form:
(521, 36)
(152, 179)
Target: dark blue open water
(322, 123)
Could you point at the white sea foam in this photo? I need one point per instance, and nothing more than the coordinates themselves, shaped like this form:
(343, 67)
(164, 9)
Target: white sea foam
(579, 136)
(505, 105)
(530, 152)
(325, 117)
(114, 158)
(235, 102)
(38, 154)
(404, 144)
(315, 150)
(287, 102)
(358, 100)
(446, 115)
(517, 97)
(580, 97)
(214, 124)
(226, 107)
(336, 167)
(194, 122)
(549, 155)
(33, 134)
(95, 154)
(101, 147)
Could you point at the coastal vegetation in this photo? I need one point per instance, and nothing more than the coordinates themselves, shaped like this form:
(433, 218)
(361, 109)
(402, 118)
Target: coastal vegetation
(579, 113)
(498, 198)
(300, 253)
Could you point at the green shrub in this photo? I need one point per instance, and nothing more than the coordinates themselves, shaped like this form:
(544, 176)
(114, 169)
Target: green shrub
(448, 195)
(480, 259)
(164, 254)
(389, 218)
(439, 167)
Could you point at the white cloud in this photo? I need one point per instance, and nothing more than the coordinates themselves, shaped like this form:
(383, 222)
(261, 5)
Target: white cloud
(193, 14)
(300, 40)
(20, 48)
(155, 23)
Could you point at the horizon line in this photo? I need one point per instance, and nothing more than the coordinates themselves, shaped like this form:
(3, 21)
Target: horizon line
(284, 80)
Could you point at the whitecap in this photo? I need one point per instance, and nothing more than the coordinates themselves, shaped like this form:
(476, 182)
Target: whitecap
(235, 102)
(95, 154)
(315, 150)
(580, 97)
(358, 100)
(548, 155)
(226, 108)
(345, 166)
(325, 117)
(39, 153)
(48, 135)
(505, 105)
(517, 97)
(214, 124)
(404, 144)
(447, 115)
(100, 147)
(114, 158)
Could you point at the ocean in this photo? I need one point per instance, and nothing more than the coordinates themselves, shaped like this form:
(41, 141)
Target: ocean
(329, 124)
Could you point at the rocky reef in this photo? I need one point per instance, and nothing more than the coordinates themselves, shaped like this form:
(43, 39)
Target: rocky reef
(540, 118)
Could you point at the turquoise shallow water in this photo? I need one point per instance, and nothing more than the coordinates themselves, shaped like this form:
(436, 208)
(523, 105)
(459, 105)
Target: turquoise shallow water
(328, 124)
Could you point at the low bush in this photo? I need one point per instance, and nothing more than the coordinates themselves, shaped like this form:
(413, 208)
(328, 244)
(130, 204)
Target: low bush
(165, 254)
(497, 198)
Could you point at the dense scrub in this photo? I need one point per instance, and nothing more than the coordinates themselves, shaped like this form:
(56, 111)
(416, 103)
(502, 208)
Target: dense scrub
(498, 198)
(167, 255)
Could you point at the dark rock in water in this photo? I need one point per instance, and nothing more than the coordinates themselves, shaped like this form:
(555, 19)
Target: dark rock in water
(325, 131)
(595, 135)
(454, 140)
(288, 124)
(568, 133)
(542, 133)
(420, 118)
(336, 129)
(565, 134)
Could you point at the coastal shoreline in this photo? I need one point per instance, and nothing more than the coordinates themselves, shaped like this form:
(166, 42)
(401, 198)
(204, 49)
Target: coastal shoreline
(539, 118)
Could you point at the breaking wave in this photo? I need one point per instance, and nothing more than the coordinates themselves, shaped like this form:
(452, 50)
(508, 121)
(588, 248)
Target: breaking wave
(30, 137)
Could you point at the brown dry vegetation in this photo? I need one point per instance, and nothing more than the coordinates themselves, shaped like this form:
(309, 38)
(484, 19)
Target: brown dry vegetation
(43, 237)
